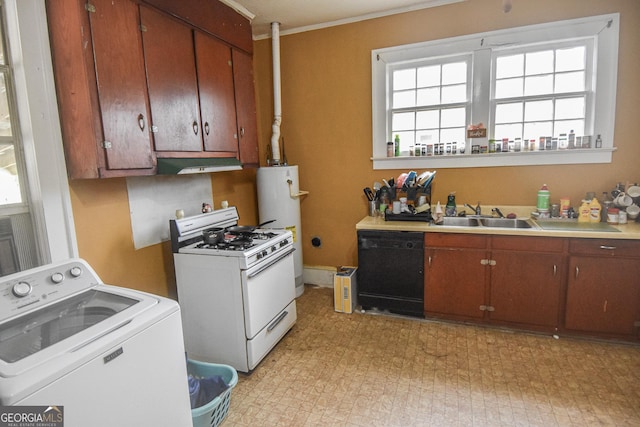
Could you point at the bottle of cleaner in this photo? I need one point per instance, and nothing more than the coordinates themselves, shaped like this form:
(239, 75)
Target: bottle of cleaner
(594, 210)
(584, 212)
(451, 209)
(397, 146)
(544, 195)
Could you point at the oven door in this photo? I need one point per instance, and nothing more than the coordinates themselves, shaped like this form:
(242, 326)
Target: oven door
(266, 290)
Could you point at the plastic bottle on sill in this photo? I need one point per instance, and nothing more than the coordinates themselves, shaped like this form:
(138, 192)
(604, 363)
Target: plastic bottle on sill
(397, 146)
(594, 210)
(599, 141)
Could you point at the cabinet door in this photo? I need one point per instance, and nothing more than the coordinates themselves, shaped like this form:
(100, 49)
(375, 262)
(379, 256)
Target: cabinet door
(246, 108)
(603, 295)
(122, 87)
(217, 99)
(455, 282)
(172, 81)
(526, 287)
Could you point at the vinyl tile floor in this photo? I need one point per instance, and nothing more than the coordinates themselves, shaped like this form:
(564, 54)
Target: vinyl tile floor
(336, 369)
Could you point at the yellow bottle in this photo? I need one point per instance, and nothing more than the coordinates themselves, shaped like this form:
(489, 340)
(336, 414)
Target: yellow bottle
(594, 210)
(584, 212)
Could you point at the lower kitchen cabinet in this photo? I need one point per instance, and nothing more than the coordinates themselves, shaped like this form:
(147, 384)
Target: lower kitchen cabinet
(499, 279)
(603, 290)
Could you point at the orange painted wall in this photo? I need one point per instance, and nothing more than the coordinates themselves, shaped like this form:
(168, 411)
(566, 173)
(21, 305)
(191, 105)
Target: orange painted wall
(326, 102)
(326, 88)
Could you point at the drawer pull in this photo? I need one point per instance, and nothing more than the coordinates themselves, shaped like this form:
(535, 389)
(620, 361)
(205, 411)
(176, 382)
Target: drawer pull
(608, 248)
(577, 271)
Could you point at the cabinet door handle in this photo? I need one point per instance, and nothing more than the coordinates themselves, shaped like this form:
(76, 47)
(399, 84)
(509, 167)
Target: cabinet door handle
(608, 248)
(577, 271)
(242, 131)
(195, 127)
(555, 270)
(141, 122)
(429, 260)
(206, 128)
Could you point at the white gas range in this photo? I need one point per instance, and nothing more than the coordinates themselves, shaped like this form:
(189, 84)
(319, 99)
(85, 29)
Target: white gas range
(236, 287)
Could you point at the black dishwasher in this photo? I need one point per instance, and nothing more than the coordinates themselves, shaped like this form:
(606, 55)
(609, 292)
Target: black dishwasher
(391, 271)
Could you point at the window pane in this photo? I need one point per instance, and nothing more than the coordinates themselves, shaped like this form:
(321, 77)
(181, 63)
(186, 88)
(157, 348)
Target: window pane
(451, 94)
(454, 73)
(429, 76)
(453, 135)
(403, 121)
(406, 139)
(404, 99)
(538, 110)
(427, 136)
(429, 96)
(428, 119)
(570, 59)
(452, 117)
(538, 85)
(509, 88)
(539, 63)
(537, 129)
(570, 108)
(566, 126)
(9, 182)
(404, 79)
(509, 66)
(511, 131)
(509, 113)
(5, 116)
(570, 82)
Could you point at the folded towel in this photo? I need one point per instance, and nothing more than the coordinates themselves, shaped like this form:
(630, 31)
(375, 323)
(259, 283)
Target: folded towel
(204, 390)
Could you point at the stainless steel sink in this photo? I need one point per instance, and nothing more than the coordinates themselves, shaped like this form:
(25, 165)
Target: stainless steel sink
(460, 221)
(505, 222)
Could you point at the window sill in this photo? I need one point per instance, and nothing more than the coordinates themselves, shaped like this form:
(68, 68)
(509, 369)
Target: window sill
(533, 158)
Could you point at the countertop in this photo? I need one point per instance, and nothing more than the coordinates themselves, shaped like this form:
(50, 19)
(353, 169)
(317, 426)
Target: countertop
(630, 231)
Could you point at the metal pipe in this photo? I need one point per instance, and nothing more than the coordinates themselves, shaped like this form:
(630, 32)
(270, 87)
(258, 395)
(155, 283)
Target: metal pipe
(277, 101)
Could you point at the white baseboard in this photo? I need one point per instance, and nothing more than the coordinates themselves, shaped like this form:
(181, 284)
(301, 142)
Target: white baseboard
(319, 275)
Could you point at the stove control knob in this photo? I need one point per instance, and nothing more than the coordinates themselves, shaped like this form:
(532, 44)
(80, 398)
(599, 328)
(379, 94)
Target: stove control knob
(21, 289)
(274, 248)
(259, 255)
(284, 243)
(75, 271)
(57, 278)
(265, 253)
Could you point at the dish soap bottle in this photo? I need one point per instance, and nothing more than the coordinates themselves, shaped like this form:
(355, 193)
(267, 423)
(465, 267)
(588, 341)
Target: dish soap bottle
(543, 199)
(594, 210)
(450, 208)
(584, 212)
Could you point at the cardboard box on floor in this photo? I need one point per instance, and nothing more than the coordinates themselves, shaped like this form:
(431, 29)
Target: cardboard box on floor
(345, 289)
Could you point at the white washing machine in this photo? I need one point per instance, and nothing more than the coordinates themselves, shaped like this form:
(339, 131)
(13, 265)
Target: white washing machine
(103, 355)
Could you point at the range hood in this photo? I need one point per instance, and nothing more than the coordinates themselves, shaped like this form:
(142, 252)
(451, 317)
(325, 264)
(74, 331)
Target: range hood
(169, 166)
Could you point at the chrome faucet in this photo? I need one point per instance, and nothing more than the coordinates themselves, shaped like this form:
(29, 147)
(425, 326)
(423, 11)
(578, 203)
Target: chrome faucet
(497, 212)
(477, 209)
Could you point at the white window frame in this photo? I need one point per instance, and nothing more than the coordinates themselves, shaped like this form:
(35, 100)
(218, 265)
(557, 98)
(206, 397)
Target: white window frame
(48, 187)
(604, 29)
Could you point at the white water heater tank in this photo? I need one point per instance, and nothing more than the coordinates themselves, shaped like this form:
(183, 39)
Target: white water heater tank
(279, 199)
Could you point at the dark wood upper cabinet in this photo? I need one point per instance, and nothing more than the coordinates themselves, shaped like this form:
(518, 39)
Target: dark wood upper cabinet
(246, 108)
(101, 88)
(172, 81)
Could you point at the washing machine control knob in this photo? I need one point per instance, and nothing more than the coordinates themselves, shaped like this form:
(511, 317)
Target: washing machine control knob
(57, 278)
(76, 271)
(21, 289)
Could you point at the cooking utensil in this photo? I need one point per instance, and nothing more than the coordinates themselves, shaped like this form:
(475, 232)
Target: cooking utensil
(239, 229)
(212, 236)
(369, 194)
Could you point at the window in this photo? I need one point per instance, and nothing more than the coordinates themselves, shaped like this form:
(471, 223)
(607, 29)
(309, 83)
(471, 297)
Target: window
(546, 90)
(36, 224)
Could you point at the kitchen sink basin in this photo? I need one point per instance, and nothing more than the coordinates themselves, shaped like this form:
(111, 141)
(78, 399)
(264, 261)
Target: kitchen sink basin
(505, 222)
(460, 221)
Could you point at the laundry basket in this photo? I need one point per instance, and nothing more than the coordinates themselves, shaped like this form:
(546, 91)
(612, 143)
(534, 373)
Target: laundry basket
(212, 414)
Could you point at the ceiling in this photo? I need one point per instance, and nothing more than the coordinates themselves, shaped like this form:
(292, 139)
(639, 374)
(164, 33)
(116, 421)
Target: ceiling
(304, 15)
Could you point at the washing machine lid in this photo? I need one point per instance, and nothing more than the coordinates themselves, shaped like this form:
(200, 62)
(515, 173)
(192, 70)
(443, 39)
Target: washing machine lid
(66, 325)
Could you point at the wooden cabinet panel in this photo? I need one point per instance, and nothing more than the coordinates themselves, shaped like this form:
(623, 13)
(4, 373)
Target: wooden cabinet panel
(455, 240)
(529, 244)
(117, 47)
(605, 247)
(455, 282)
(217, 99)
(172, 82)
(246, 108)
(213, 17)
(89, 88)
(526, 287)
(603, 295)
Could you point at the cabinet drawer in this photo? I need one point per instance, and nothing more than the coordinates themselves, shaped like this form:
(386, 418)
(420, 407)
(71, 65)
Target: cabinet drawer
(605, 247)
(455, 240)
(528, 244)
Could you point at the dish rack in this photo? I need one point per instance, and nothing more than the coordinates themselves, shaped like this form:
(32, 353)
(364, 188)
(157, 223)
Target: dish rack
(212, 414)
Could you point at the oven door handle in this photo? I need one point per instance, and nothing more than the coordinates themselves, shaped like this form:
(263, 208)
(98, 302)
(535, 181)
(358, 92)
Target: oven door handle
(264, 267)
(276, 322)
